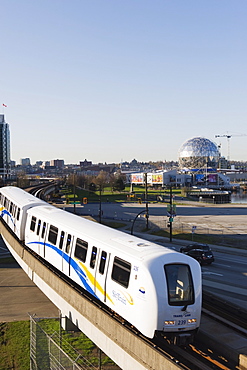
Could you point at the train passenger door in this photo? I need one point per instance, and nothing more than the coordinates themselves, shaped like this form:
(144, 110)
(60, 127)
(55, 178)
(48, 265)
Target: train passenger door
(38, 233)
(43, 239)
(101, 274)
(67, 244)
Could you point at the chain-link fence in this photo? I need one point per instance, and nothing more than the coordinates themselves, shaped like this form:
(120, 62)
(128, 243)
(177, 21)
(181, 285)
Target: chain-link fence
(51, 351)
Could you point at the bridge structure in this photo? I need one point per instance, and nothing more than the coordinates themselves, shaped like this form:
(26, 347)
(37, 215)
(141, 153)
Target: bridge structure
(126, 349)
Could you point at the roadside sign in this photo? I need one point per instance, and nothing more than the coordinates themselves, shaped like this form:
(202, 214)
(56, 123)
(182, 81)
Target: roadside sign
(193, 229)
(171, 210)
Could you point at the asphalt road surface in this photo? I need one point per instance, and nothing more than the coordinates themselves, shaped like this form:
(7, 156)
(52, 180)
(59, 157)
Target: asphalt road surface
(19, 295)
(226, 219)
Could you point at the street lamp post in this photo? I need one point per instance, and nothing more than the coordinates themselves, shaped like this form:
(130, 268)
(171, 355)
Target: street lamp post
(132, 227)
(171, 214)
(100, 210)
(74, 190)
(146, 199)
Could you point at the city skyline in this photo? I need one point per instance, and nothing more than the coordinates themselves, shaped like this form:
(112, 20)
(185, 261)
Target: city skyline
(115, 81)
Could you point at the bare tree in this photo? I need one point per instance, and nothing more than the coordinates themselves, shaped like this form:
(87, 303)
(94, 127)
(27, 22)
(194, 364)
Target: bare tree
(101, 180)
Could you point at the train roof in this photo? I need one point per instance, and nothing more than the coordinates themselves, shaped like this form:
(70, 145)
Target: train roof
(90, 230)
(20, 196)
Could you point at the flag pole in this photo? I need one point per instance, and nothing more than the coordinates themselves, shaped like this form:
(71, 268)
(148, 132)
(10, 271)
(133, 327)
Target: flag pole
(4, 106)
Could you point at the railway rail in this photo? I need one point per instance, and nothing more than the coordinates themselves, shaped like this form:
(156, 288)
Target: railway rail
(226, 310)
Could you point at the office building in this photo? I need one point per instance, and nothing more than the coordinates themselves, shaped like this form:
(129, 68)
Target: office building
(25, 162)
(58, 163)
(4, 148)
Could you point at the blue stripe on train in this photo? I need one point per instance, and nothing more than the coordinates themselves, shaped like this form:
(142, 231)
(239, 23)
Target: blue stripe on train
(73, 264)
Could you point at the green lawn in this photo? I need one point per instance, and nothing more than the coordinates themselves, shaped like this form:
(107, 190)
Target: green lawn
(15, 345)
(108, 196)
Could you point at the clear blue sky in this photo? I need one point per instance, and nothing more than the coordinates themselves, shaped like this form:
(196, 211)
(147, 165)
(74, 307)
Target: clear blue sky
(112, 80)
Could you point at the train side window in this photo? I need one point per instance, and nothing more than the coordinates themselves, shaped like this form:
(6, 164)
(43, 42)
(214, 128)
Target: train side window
(81, 249)
(53, 232)
(121, 272)
(68, 242)
(38, 228)
(14, 210)
(93, 257)
(61, 240)
(43, 230)
(5, 202)
(18, 214)
(33, 223)
(102, 262)
(11, 207)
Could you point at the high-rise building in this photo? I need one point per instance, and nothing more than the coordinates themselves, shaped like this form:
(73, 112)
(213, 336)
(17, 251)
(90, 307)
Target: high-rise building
(25, 162)
(4, 148)
(58, 163)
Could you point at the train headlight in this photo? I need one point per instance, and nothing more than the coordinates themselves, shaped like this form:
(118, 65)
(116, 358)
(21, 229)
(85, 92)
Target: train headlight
(169, 322)
(192, 321)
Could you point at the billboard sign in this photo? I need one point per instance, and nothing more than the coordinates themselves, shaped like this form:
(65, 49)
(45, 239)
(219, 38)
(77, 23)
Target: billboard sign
(137, 178)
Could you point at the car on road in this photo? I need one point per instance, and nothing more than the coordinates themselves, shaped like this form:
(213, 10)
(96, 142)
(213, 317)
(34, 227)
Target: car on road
(201, 252)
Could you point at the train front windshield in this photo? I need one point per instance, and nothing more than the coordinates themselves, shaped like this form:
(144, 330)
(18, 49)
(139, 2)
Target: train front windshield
(179, 285)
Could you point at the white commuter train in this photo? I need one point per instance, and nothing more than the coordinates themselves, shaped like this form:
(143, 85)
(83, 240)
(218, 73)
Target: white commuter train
(156, 289)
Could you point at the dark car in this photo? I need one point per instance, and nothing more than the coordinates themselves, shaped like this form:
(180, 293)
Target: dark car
(201, 252)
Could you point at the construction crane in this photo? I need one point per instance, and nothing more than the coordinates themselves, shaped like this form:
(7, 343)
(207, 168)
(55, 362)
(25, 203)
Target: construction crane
(228, 136)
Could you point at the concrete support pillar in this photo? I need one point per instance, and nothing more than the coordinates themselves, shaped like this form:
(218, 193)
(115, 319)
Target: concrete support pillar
(67, 324)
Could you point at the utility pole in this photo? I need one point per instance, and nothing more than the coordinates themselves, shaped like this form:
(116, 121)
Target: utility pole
(74, 191)
(100, 208)
(171, 211)
(146, 199)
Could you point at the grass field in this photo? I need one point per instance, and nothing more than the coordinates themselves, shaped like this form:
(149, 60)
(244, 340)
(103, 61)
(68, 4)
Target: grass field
(108, 196)
(15, 345)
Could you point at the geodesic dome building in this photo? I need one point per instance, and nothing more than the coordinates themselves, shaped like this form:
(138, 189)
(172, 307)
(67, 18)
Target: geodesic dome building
(198, 152)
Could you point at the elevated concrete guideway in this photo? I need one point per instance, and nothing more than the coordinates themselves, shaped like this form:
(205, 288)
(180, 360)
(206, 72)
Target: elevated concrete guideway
(125, 349)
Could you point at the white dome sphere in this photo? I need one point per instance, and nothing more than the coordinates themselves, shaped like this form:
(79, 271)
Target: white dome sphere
(198, 152)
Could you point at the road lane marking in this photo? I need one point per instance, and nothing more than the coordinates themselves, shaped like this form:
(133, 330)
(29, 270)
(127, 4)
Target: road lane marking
(211, 273)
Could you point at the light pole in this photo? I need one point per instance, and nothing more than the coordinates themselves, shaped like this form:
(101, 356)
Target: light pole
(132, 227)
(74, 190)
(146, 199)
(100, 210)
(171, 213)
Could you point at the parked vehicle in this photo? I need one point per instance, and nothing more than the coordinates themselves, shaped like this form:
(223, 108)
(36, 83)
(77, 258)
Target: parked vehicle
(201, 252)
